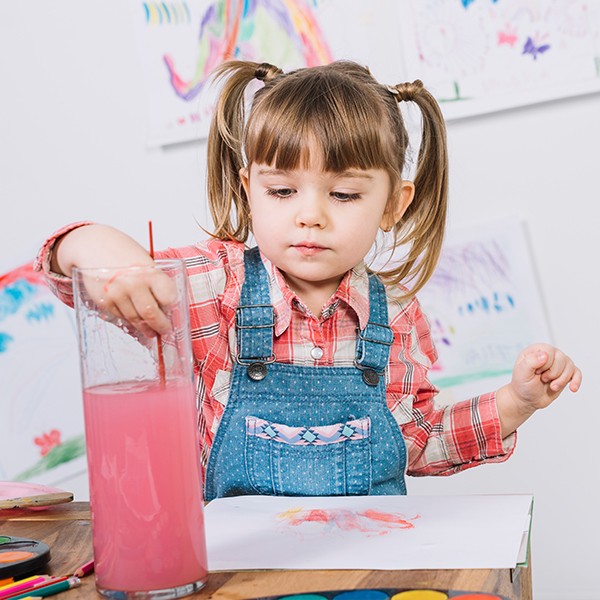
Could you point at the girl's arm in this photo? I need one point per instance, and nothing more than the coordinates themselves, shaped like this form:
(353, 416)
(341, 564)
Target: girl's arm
(540, 374)
(138, 300)
(441, 437)
(96, 246)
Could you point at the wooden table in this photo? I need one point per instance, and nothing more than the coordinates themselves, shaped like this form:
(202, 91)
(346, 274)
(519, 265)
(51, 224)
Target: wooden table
(66, 528)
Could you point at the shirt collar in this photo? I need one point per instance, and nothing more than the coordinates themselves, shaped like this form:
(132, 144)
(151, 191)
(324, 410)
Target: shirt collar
(353, 291)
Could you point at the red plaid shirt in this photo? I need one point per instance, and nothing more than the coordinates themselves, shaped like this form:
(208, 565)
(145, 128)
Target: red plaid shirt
(439, 440)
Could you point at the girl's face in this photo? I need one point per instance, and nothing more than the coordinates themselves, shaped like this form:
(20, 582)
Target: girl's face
(315, 225)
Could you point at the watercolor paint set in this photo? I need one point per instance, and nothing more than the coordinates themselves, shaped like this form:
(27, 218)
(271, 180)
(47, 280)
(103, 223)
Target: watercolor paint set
(389, 594)
(20, 557)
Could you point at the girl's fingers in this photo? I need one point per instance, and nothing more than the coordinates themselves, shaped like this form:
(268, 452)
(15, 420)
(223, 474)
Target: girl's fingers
(561, 381)
(554, 367)
(163, 289)
(571, 376)
(149, 311)
(576, 380)
(129, 296)
(131, 317)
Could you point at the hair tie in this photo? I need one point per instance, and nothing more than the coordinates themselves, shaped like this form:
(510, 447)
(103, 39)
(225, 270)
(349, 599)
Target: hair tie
(406, 91)
(266, 71)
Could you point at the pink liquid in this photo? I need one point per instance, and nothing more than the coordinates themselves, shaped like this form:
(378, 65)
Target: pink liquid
(145, 486)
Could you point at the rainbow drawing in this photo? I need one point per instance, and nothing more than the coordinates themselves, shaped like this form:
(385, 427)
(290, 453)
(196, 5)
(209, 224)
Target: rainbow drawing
(236, 28)
(167, 13)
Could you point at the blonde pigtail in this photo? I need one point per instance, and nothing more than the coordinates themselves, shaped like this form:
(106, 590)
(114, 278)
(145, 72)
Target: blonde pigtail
(226, 196)
(422, 226)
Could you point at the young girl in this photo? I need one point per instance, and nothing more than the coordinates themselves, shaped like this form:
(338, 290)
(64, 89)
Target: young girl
(312, 370)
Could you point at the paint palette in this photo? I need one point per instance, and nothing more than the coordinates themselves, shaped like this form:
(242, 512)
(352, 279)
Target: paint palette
(389, 594)
(19, 494)
(20, 557)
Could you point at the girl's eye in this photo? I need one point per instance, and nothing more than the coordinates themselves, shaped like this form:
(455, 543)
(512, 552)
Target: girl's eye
(345, 197)
(280, 192)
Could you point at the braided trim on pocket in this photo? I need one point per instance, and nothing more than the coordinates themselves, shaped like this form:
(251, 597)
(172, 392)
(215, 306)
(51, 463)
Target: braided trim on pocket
(320, 435)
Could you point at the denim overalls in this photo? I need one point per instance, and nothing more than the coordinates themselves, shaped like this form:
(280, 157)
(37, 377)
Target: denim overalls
(305, 431)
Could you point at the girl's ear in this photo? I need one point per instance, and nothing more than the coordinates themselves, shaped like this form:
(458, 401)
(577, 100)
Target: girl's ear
(399, 201)
(244, 179)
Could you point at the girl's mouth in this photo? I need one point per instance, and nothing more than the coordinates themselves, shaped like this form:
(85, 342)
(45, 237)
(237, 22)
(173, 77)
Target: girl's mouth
(308, 248)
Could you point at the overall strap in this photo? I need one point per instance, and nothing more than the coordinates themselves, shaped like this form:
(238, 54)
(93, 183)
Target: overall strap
(374, 341)
(255, 316)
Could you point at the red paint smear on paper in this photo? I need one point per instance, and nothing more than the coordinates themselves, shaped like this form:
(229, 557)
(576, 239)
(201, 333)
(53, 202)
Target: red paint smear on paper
(369, 521)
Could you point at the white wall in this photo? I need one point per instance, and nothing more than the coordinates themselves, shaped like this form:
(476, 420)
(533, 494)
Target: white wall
(72, 146)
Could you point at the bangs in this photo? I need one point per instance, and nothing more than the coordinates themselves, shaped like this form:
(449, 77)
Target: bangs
(348, 123)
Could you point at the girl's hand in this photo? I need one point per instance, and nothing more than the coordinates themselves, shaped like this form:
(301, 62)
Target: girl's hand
(540, 374)
(137, 296)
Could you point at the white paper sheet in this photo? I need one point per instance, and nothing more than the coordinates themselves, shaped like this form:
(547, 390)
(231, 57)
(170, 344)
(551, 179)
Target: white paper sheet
(366, 532)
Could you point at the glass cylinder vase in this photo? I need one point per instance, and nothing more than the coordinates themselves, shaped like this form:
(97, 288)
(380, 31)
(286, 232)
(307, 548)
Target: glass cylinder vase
(141, 439)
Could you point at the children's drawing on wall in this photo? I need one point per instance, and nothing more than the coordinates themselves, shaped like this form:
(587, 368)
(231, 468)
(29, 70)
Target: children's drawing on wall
(181, 42)
(484, 306)
(42, 437)
(479, 56)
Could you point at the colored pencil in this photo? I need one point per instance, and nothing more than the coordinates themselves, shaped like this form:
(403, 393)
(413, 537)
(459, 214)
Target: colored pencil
(84, 569)
(33, 586)
(12, 582)
(50, 590)
(20, 585)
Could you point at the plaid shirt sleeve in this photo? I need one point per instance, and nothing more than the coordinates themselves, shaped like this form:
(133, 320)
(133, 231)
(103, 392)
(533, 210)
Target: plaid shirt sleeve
(440, 440)
(60, 285)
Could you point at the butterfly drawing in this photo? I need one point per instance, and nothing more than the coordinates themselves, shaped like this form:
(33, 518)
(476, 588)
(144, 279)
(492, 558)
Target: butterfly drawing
(533, 49)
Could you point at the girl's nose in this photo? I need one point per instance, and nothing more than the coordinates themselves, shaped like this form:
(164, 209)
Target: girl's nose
(312, 213)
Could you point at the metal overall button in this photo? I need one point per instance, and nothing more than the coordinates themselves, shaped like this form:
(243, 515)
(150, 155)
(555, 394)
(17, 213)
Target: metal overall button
(370, 377)
(257, 371)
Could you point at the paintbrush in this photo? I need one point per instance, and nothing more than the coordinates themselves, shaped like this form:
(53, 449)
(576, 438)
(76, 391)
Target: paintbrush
(161, 360)
(38, 500)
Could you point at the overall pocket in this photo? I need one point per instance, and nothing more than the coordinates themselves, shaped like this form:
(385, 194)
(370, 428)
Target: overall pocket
(324, 460)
